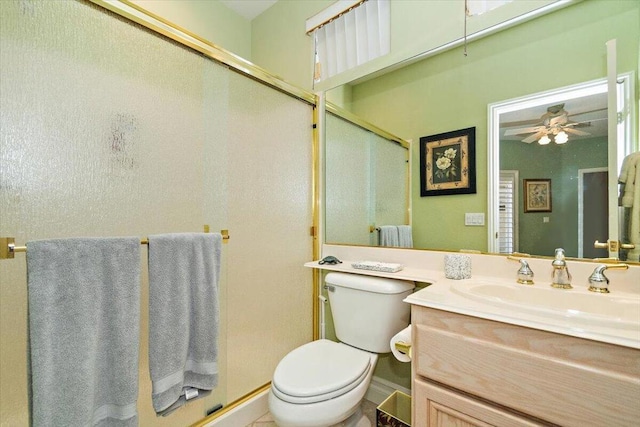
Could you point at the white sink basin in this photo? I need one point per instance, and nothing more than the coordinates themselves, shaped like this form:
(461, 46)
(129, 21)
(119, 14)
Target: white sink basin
(607, 310)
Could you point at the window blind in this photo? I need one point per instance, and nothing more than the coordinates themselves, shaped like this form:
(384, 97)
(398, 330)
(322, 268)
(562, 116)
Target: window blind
(507, 219)
(355, 37)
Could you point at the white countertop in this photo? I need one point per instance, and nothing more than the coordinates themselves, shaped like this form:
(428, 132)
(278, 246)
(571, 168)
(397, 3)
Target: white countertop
(441, 296)
(446, 294)
(407, 273)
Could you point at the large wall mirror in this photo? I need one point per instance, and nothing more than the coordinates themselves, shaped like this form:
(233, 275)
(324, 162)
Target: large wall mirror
(451, 91)
(549, 163)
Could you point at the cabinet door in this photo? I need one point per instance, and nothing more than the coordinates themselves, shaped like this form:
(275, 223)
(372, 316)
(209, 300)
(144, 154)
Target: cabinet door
(436, 406)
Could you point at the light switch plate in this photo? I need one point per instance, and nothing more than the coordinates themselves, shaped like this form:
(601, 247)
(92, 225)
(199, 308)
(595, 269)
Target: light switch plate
(474, 219)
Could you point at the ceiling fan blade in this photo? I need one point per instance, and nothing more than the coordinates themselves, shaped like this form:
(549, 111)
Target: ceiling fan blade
(586, 116)
(534, 137)
(520, 131)
(520, 123)
(576, 131)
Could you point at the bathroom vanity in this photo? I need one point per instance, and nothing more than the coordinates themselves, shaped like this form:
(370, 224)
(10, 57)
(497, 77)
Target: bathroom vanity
(488, 351)
(471, 371)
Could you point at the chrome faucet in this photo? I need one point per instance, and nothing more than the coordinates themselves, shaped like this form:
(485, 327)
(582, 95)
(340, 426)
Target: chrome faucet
(524, 275)
(598, 282)
(561, 278)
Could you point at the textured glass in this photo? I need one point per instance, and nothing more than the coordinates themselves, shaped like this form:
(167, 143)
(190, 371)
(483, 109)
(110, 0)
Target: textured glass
(365, 183)
(348, 185)
(110, 130)
(390, 182)
(269, 297)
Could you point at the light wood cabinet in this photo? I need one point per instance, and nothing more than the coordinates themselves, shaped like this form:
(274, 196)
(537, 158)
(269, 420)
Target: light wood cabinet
(436, 406)
(469, 371)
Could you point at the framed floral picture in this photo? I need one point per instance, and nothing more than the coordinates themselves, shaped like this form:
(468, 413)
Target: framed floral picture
(537, 195)
(448, 163)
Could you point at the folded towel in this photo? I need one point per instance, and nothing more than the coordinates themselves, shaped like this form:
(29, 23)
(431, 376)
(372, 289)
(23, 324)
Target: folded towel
(634, 220)
(387, 267)
(628, 173)
(405, 238)
(389, 236)
(184, 270)
(84, 316)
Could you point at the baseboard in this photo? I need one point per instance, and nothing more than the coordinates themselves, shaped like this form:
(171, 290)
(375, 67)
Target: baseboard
(380, 389)
(245, 413)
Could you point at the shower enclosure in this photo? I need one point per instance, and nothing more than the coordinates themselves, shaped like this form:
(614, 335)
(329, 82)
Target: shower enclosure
(110, 129)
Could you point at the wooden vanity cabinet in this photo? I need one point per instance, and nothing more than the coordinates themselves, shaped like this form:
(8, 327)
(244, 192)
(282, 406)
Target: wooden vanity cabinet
(469, 371)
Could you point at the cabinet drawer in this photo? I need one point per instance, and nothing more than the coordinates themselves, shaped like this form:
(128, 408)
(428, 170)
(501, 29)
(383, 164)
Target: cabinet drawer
(436, 406)
(560, 379)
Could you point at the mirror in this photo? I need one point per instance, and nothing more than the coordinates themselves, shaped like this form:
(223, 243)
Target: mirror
(449, 91)
(366, 174)
(549, 166)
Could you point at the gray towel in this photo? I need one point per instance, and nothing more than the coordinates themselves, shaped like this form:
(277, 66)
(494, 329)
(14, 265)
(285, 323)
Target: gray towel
(389, 236)
(405, 238)
(84, 317)
(184, 270)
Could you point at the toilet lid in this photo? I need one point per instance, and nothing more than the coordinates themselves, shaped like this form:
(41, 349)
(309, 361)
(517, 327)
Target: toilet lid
(320, 370)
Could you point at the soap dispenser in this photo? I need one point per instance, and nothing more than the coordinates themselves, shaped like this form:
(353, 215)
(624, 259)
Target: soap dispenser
(561, 278)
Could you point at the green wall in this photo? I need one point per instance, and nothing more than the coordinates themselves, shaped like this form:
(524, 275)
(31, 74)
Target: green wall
(211, 20)
(451, 91)
(560, 163)
(279, 43)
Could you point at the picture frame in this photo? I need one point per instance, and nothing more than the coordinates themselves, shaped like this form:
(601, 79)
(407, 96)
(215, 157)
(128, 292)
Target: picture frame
(448, 163)
(537, 195)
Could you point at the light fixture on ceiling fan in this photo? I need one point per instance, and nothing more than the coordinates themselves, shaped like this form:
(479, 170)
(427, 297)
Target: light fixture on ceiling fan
(559, 137)
(554, 126)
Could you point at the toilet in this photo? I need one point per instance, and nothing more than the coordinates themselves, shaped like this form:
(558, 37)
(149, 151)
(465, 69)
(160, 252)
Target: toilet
(322, 383)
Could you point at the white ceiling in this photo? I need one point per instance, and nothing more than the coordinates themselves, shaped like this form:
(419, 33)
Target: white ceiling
(248, 9)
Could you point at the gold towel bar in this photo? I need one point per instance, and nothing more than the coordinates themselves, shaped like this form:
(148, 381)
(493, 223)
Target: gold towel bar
(8, 246)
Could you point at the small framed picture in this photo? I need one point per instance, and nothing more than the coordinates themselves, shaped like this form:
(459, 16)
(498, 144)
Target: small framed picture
(448, 163)
(537, 195)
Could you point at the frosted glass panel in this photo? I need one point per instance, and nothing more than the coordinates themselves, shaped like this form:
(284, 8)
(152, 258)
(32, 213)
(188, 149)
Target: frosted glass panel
(348, 185)
(101, 137)
(365, 181)
(110, 130)
(270, 215)
(391, 171)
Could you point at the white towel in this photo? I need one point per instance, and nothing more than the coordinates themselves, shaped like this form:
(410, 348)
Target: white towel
(628, 173)
(84, 316)
(389, 236)
(405, 238)
(630, 198)
(184, 271)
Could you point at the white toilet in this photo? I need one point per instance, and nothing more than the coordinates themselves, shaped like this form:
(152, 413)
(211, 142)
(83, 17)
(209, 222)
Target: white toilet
(322, 383)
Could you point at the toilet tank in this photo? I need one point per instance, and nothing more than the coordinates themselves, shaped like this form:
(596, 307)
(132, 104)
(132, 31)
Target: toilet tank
(368, 311)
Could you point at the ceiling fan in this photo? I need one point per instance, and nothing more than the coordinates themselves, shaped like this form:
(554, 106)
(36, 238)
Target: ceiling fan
(554, 124)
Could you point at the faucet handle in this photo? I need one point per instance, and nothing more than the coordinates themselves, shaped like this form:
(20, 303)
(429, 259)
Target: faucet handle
(598, 282)
(559, 259)
(524, 274)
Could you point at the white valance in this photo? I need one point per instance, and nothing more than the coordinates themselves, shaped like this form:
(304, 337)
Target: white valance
(355, 37)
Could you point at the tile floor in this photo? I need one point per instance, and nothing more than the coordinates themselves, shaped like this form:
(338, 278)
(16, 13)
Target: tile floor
(368, 408)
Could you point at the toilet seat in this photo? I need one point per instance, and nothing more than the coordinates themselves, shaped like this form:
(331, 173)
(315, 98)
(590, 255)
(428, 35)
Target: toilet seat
(319, 371)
